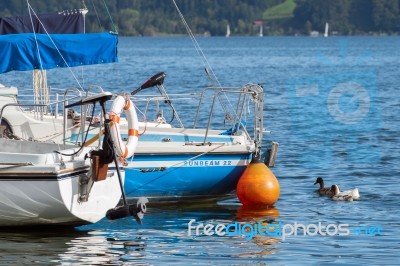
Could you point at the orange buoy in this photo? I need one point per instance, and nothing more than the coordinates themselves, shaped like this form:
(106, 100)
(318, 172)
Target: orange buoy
(258, 185)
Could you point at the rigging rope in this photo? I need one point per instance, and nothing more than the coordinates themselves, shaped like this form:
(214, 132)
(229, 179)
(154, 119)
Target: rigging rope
(52, 41)
(97, 16)
(109, 15)
(205, 62)
(40, 89)
(39, 76)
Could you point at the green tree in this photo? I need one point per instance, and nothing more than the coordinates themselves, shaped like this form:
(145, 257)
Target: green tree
(128, 18)
(386, 15)
(152, 17)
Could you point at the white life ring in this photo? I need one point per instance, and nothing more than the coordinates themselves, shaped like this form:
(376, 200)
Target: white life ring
(124, 104)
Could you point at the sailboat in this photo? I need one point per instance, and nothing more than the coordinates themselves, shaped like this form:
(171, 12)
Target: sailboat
(171, 161)
(326, 29)
(261, 34)
(228, 31)
(53, 183)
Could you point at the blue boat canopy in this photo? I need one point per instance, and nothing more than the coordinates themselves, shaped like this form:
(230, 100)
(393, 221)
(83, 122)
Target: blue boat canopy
(21, 51)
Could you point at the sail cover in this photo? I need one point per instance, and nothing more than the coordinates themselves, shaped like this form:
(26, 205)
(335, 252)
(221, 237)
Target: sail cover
(71, 21)
(29, 51)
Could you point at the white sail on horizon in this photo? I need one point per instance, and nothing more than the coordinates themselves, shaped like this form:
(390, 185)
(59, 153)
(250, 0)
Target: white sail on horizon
(228, 31)
(326, 29)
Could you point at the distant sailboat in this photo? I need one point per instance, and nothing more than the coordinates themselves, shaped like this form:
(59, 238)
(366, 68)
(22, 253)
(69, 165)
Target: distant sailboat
(260, 24)
(326, 29)
(228, 31)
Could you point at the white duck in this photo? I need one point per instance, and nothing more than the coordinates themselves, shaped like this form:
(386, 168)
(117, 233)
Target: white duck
(352, 192)
(348, 195)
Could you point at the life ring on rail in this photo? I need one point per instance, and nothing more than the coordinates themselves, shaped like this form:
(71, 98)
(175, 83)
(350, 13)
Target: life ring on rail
(124, 104)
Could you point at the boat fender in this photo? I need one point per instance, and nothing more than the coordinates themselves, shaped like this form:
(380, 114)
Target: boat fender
(120, 104)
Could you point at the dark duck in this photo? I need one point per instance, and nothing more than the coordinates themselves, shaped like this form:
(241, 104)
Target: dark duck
(323, 190)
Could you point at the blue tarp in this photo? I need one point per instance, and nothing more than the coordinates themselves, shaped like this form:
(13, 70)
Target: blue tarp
(21, 51)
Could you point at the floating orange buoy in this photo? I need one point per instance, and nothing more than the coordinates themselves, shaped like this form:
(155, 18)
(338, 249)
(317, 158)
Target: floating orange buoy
(258, 185)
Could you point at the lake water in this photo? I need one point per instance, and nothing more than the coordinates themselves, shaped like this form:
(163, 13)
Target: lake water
(333, 106)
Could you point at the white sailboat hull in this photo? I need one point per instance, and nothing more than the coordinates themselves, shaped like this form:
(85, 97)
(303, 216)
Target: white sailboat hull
(38, 189)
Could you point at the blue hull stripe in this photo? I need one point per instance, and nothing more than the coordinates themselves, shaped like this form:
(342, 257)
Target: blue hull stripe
(176, 176)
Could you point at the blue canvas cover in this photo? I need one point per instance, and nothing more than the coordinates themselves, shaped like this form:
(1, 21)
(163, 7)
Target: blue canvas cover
(21, 51)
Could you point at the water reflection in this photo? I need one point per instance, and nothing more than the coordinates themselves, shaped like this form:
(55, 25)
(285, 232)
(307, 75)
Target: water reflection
(93, 249)
(261, 216)
(164, 233)
(33, 245)
(249, 213)
(54, 245)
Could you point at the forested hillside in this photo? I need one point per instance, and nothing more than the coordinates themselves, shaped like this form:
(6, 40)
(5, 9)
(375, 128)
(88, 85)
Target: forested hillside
(279, 17)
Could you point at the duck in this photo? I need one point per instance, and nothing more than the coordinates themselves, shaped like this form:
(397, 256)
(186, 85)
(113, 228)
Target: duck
(323, 190)
(348, 195)
(352, 192)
